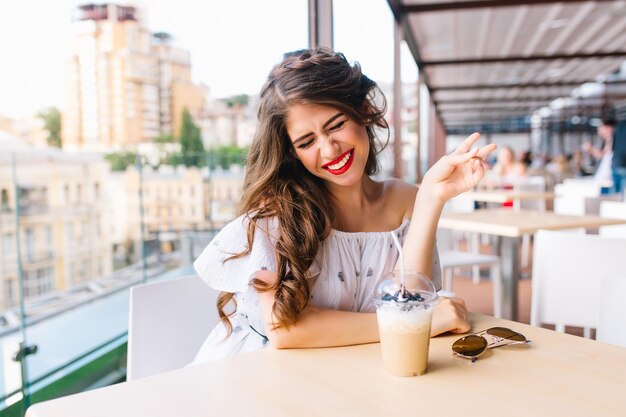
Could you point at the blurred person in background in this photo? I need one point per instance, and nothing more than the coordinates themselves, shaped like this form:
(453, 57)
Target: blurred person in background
(508, 170)
(604, 153)
(559, 168)
(619, 158)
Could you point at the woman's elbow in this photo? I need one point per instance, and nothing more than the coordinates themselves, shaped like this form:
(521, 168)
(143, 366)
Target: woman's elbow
(282, 339)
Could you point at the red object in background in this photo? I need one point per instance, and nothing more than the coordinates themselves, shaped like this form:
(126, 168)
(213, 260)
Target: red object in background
(507, 203)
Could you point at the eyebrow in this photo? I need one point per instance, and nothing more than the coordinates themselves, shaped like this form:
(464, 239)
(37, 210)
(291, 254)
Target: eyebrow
(329, 121)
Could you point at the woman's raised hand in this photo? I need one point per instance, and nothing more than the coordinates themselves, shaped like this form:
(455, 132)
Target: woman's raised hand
(459, 171)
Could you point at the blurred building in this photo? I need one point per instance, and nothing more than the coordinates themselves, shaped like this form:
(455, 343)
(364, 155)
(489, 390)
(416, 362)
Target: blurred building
(124, 85)
(174, 200)
(226, 189)
(225, 123)
(30, 129)
(62, 223)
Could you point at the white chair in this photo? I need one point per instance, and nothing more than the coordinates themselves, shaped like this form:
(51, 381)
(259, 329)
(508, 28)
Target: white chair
(613, 210)
(451, 259)
(462, 204)
(567, 269)
(168, 321)
(612, 320)
(570, 196)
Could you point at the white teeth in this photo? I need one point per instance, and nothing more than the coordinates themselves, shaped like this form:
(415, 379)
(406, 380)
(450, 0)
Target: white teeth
(341, 163)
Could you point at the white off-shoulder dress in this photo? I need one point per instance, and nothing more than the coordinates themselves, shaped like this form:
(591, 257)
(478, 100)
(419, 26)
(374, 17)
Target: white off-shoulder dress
(351, 265)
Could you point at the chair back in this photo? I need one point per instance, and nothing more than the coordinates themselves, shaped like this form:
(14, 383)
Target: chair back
(445, 239)
(570, 198)
(459, 204)
(567, 269)
(534, 184)
(168, 322)
(612, 321)
(613, 210)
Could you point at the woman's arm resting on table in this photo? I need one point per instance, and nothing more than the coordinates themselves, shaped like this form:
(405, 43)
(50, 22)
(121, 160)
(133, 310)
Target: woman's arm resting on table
(318, 327)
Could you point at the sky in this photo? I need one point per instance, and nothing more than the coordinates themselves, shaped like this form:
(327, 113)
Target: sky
(233, 43)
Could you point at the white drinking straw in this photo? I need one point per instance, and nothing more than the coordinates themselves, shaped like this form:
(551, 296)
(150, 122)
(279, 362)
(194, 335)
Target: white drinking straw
(399, 246)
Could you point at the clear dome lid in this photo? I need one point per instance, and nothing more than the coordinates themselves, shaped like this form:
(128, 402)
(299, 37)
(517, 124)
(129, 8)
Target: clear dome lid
(417, 289)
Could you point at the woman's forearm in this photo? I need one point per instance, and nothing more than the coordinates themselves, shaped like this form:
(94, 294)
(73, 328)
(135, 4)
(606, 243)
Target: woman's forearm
(419, 244)
(326, 328)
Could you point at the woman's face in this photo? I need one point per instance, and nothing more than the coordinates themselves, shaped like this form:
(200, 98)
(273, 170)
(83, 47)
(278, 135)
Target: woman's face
(505, 156)
(329, 144)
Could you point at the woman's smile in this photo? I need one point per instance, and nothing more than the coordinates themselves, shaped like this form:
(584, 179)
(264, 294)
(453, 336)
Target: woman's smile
(341, 164)
(328, 143)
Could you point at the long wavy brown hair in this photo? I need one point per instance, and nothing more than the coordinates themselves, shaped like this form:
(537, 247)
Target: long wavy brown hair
(278, 185)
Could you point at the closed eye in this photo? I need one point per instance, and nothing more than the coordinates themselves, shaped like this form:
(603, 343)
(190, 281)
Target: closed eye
(338, 125)
(306, 144)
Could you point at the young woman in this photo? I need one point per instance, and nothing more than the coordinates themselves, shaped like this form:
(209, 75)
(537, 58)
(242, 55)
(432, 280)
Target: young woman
(313, 240)
(507, 169)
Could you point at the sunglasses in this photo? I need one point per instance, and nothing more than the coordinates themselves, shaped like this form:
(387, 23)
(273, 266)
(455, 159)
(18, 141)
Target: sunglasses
(474, 345)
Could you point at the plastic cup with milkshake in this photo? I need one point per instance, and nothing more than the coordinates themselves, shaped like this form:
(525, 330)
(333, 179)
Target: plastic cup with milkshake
(404, 306)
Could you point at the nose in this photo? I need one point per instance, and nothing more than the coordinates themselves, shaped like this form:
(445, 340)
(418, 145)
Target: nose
(329, 148)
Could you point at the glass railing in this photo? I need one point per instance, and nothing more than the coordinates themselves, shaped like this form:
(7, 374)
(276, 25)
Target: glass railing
(76, 232)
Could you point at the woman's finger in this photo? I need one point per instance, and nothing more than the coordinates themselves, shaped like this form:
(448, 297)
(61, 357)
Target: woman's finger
(467, 144)
(486, 150)
(479, 171)
(462, 158)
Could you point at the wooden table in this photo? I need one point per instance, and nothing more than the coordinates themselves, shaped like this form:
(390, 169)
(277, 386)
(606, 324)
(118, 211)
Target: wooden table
(510, 225)
(557, 375)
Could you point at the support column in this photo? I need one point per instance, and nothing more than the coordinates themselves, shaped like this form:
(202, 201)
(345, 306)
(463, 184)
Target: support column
(397, 103)
(320, 23)
(418, 129)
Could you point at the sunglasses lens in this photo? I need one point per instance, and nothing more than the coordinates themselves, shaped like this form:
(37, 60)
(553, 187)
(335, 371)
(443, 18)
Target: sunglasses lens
(470, 346)
(505, 333)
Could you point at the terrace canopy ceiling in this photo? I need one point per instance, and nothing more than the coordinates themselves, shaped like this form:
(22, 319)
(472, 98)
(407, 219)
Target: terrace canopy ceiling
(491, 62)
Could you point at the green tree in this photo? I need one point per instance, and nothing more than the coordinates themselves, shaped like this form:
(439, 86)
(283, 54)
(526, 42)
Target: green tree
(52, 123)
(120, 161)
(191, 145)
(225, 156)
(165, 138)
(238, 101)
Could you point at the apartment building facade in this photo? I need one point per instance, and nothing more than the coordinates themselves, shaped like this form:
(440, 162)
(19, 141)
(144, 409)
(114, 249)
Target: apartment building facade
(63, 229)
(125, 85)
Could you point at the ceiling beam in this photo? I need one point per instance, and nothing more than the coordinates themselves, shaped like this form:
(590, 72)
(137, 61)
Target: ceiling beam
(479, 4)
(582, 101)
(485, 109)
(521, 99)
(497, 100)
(518, 58)
(575, 83)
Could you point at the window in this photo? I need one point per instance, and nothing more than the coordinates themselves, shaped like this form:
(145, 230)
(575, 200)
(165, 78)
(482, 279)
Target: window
(29, 244)
(48, 238)
(4, 201)
(8, 246)
(9, 292)
(38, 281)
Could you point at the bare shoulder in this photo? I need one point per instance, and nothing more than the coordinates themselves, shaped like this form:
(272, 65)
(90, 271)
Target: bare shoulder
(400, 196)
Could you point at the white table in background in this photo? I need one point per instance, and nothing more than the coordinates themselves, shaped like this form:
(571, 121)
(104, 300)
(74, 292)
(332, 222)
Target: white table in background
(510, 225)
